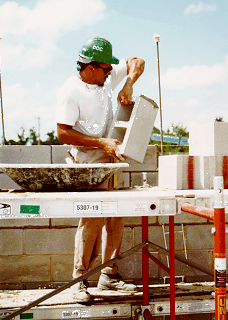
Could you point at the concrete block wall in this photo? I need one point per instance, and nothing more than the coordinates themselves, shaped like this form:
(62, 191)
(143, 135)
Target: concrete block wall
(39, 252)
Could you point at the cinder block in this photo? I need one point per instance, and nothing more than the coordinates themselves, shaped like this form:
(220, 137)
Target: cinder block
(49, 241)
(137, 265)
(127, 242)
(150, 162)
(199, 236)
(126, 177)
(59, 153)
(132, 126)
(25, 154)
(137, 179)
(30, 222)
(65, 222)
(6, 183)
(184, 172)
(208, 139)
(183, 218)
(137, 221)
(11, 242)
(14, 269)
(62, 267)
(155, 235)
(20, 155)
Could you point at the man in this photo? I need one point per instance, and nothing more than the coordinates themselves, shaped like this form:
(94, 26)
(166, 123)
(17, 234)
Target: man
(84, 115)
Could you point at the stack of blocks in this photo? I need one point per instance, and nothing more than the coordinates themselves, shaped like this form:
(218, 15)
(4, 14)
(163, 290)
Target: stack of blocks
(208, 157)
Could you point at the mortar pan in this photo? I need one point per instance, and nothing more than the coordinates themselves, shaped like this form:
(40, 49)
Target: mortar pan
(60, 177)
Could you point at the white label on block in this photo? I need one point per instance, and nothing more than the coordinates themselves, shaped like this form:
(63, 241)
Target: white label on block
(220, 264)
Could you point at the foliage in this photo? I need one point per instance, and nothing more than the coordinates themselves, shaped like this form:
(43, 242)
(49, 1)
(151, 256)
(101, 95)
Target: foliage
(219, 119)
(33, 138)
(177, 130)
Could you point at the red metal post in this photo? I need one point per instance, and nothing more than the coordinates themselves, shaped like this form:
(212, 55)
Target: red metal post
(219, 251)
(172, 267)
(145, 263)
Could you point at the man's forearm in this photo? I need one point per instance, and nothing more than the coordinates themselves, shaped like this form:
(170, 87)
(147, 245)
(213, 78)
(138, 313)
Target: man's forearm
(135, 67)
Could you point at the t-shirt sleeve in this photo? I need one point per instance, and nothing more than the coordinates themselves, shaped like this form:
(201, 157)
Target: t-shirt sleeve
(67, 110)
(119, 73)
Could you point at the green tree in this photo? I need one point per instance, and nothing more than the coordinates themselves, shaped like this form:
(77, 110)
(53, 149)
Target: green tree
(179, 130)
(33, 136)
(52, 139)
(219, 119)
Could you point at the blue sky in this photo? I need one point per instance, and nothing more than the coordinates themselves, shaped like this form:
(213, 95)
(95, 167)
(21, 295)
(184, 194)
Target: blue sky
(41, 39)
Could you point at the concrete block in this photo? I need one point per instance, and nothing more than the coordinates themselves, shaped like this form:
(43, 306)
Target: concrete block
(6, 183)
(11, 242)
(126, 177)
(62, 267)
(20, 155)
(49, 241)
(171, 170)
(155, 235)
(184, 172)
(199, 236)
(208, 139)
(59, 153)
(25, 154)
(16, 269)
(183, 218)
(137, 179)
(137, 264)
(30, 222)
(65, 222)
(137, 221)
(127, 242)
(150, 162)
(132, 126)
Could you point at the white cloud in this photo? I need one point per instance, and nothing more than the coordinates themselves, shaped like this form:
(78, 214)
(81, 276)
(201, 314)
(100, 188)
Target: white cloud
(31, 34)
(23, 106)
(192, 103)
(200, 7)
(190, 76)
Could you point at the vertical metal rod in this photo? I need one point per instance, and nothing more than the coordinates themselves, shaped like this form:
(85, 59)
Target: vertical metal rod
(157, 39)
(172, 267)
(2, 115)
(145, 263)
(219, 251)
(38, 131)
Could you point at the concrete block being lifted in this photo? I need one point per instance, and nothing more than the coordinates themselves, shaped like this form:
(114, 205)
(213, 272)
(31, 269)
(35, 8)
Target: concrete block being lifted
(209, 139)
(132, 126)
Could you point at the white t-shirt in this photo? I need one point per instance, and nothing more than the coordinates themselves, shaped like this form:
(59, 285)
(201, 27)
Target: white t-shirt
(88, 107)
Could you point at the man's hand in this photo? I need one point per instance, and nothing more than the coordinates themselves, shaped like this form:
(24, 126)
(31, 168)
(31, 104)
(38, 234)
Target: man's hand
(110, 146)
(135, 67)
(125, 94)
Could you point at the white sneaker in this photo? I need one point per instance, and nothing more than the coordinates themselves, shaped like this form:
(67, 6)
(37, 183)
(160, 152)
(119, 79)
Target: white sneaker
(79, 291)
(114, 282)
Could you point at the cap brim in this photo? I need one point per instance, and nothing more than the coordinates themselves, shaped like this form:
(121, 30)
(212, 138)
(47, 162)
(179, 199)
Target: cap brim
(115, 60)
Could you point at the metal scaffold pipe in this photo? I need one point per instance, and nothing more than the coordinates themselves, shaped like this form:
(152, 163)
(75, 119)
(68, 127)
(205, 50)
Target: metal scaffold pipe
(2, 115)
(157, 39)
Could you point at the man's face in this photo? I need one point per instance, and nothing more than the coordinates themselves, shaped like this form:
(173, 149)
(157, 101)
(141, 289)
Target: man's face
(101, 73)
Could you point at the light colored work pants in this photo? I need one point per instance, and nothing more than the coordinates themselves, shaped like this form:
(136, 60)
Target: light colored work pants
(92, 232)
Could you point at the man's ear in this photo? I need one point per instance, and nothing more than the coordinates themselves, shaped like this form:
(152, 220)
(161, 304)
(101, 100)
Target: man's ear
(90, 69)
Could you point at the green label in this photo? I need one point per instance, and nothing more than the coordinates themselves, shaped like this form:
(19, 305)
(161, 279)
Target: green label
(24, 209)
(26, 316)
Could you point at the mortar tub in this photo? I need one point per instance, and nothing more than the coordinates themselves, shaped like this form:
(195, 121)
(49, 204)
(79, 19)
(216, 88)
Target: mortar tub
(60, 177)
